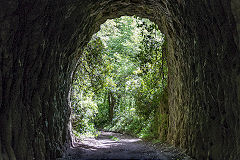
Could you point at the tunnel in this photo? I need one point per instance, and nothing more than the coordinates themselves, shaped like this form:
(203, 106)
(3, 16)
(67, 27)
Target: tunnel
(42, 40)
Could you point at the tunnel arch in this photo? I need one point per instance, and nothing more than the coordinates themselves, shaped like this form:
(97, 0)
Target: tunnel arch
(40, 44)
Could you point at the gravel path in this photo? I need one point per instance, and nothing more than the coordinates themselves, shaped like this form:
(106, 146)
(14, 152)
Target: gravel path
(110, 145)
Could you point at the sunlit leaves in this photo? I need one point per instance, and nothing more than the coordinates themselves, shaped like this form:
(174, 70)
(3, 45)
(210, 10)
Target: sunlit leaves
(124, 66)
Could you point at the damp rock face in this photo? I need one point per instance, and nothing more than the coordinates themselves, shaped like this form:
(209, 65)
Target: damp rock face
(40, 42)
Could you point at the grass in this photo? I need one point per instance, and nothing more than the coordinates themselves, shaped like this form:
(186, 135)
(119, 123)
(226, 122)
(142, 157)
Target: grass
(114, 138)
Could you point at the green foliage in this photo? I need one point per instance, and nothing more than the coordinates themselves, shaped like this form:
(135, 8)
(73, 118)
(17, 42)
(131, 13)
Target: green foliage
(120, 79)
(114, 138)
(87, 81)
(84, 111)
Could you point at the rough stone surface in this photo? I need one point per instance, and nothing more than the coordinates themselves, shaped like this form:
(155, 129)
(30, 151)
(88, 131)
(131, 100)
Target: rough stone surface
(40, 42)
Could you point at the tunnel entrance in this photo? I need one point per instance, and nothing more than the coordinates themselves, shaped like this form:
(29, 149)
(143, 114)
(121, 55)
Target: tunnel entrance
(120, 83)
(39, 46)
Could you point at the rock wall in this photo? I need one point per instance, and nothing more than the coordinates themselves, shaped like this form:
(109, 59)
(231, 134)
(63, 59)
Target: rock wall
(40, 42)
(204, 66)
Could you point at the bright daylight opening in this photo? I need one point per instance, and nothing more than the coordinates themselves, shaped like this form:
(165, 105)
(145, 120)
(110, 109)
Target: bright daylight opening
(121, 81)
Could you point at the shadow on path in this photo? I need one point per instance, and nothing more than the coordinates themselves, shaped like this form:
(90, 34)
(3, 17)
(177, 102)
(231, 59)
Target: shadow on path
(110, 145)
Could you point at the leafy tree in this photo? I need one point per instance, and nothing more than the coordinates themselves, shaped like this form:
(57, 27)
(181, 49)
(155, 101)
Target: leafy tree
(121, 77)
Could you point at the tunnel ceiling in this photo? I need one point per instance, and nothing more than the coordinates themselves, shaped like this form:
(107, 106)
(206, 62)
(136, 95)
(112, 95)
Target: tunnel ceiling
(40, 42)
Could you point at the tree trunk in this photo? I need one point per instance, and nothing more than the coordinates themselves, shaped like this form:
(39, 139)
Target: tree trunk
(111, 103)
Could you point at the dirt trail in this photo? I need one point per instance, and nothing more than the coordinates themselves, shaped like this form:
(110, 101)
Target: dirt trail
(111, 145)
